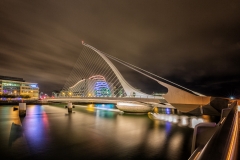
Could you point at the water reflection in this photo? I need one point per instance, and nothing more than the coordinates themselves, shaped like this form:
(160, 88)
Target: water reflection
(174, 144)
(100, 110)
(106, 107)
(140, 137)
(105, 114)
(99, 132)
(91, 108)
(36, 127)
(182, 120)
(15, 133)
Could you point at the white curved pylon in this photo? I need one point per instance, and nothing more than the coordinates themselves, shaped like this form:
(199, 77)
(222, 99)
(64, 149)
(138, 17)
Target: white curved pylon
(130, 90)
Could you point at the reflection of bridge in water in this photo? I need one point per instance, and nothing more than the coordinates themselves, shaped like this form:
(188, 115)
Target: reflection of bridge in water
(94, 78)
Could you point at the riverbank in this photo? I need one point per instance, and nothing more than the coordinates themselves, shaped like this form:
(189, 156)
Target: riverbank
(28, 102)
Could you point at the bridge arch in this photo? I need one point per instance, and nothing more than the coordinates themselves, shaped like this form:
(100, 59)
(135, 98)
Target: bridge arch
(177, 95)
(129, 90)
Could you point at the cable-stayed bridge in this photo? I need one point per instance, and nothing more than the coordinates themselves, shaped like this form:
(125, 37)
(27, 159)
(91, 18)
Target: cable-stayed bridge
(95, 78)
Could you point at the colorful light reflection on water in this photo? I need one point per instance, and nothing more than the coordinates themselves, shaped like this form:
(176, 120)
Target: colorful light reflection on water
(37, 128)
(182, 120)
(97, 133)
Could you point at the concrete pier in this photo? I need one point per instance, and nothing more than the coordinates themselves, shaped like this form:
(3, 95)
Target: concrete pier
(22, 109)
(69, 107)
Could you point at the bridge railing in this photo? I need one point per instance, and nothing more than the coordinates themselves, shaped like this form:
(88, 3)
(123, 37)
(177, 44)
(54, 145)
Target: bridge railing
(223, 145)
(150, 97)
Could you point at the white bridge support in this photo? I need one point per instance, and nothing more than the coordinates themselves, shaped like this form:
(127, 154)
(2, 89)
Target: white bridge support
(182, 100)
(70, 107)
(22, 109)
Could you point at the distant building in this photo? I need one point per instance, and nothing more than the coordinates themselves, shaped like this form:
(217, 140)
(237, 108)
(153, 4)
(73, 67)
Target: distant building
(18, 86)
(95, 86)
(157, 94)
(55, 93)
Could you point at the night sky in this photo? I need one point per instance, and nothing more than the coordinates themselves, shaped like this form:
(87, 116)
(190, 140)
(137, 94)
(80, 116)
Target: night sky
(193, 43)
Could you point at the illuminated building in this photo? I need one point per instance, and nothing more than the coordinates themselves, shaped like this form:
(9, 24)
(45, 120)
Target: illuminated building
(95, 86)
(17, 86)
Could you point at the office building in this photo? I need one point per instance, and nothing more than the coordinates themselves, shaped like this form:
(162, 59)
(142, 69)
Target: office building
(18, 87)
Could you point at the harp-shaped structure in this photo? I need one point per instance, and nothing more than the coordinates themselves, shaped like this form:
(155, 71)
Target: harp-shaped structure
(94, 75)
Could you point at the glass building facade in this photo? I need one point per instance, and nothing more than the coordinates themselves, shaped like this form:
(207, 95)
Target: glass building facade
(17, 86)
(95, 86)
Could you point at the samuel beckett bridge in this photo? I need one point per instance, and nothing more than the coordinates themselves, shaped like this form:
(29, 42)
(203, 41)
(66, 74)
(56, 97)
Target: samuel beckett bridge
(94, 78)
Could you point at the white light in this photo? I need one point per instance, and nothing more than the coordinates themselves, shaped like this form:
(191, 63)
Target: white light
(128, 104)
(184, 120)
(196, 121)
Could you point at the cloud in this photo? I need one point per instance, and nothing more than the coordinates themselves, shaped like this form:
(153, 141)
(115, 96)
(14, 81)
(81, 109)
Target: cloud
(184, 41)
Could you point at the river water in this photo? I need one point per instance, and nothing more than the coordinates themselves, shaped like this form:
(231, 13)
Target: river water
(95, 132)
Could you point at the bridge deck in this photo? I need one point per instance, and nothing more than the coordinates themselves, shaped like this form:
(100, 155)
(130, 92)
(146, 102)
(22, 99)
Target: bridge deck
(104, 99)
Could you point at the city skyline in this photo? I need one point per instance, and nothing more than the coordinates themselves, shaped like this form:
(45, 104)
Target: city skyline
(194, 44)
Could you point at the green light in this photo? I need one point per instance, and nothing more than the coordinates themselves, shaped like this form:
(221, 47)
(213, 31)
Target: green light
(10, 84)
